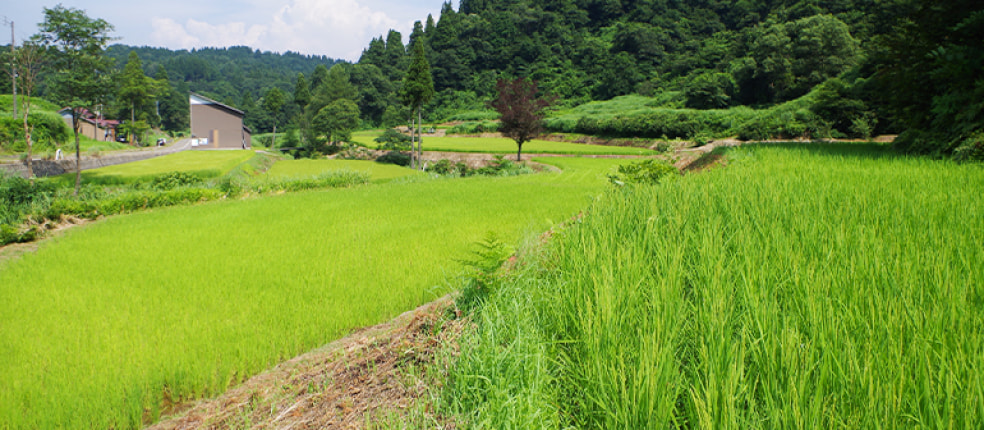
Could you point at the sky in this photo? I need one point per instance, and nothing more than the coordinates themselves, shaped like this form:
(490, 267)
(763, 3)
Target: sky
(336, 28)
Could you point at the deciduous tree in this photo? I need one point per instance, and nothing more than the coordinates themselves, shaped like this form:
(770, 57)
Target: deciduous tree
(29, 60)
(521, 110)
(82, 74)
(273, 102)
(337, 120)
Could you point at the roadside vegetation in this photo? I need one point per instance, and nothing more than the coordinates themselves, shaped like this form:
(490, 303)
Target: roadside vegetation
(174, 304)
(809, 286)
(30, 208)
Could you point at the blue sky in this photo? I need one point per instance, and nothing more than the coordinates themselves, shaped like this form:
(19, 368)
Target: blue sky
(336, 28)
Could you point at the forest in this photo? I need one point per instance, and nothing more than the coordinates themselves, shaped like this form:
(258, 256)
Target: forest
(847, 68)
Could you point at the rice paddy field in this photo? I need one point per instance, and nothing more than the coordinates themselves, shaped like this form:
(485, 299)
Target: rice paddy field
(378, 172)
(109, 324)
(205, 164)
(801, 286)
(508, 146)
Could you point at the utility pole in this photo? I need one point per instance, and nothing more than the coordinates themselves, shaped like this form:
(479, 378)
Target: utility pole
(13, 62)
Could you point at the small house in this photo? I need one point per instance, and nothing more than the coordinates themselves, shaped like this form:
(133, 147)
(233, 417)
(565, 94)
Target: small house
(215, 125)
(91, 124)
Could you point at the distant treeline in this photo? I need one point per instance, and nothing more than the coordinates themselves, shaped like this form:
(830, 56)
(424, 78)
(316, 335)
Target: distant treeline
(909, 66)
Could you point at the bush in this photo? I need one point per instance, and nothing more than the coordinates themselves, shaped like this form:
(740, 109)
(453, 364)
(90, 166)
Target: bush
(483, 271)
(971, 149)
(447, 168)
(475, 128)
(172, 180)
(395, 157)
(646, 172)
(392, 140)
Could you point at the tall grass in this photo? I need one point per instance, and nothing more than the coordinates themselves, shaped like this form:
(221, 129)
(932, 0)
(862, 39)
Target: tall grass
(800, 287)
(110, 323)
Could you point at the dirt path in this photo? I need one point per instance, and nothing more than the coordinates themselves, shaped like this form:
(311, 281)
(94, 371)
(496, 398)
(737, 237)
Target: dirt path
(375, 372)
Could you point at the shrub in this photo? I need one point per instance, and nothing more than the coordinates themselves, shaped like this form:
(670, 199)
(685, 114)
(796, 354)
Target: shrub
(394, 157)
(392, 140)
(483, 271)
(971, 149)
(446, 167)
(172, 180)
(646, 172)
(475, 128)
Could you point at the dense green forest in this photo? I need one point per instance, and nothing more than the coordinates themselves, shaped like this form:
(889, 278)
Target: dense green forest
(756, 69)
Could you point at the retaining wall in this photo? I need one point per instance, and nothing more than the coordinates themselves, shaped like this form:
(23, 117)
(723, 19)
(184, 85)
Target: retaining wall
(44, 168)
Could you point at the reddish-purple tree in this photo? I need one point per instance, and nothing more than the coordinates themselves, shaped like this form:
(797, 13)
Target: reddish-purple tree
(521, 110)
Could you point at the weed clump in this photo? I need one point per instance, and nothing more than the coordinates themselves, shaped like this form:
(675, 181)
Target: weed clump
(646, 172)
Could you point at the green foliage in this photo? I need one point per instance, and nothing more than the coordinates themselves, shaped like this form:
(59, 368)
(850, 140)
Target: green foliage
(475, 115)
(971, 149)
(474, 127)
(482, 271)
(336, 120)
(204, 296)
(19, 196)
(172, 180)
(49, 130)
(394, 157)
(709, 90)
(647, 172)
(418, 85)
(756, 296)
(392, 140)
(137, 91)
(925, 73)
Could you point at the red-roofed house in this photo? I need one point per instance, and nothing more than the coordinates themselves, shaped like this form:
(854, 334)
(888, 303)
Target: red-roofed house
(92, 125)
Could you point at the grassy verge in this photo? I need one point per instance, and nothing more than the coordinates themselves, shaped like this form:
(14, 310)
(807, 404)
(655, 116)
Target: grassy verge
(832, 286)
(110, 323)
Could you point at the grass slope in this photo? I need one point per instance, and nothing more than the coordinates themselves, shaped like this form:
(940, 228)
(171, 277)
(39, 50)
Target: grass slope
(205, 164)
(105, 326)
(825, 286)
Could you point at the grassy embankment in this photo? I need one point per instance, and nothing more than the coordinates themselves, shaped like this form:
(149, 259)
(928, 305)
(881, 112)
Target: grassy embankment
(665, 117)
(506, 146)
(202, 164)
(106, 325)
(824, 286)
(50, 132)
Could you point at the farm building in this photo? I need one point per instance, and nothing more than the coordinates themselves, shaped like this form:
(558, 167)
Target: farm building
(92, 124)
(216, 125)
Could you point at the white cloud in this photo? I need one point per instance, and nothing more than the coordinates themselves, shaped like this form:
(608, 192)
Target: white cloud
(337, 28)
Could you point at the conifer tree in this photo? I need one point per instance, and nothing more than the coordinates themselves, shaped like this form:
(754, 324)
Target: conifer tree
(418, 88)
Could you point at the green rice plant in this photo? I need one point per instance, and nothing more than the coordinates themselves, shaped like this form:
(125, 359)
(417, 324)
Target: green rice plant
(804, 286)
(378, 172)
(110, 323)
(204, 164)
(508, 146)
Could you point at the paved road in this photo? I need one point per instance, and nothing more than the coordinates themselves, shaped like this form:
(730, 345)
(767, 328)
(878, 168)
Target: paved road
(67, 163)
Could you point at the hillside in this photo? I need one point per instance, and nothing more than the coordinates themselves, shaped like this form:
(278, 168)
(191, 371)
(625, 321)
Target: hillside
(226, 73)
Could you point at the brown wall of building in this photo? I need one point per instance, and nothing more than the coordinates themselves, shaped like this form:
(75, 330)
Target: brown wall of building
(221, 128)
(89, 129)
